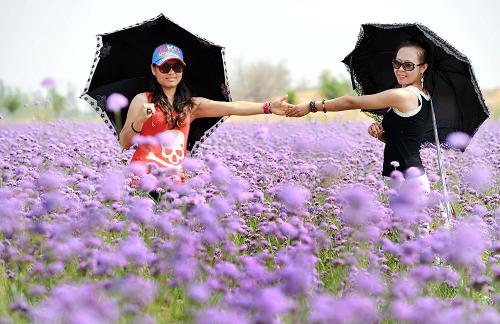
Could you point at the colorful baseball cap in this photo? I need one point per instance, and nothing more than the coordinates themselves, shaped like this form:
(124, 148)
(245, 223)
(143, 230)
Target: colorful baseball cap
(167, 52)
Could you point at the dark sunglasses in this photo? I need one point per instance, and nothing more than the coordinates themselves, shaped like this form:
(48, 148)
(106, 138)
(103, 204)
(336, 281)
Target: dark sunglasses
(407, 66)
(165, 68)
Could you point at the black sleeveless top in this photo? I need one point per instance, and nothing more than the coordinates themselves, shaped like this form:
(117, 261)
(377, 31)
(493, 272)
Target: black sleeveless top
(404, 136)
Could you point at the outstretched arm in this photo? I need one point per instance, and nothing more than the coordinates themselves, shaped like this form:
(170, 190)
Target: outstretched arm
(399, 98)
(210, 108)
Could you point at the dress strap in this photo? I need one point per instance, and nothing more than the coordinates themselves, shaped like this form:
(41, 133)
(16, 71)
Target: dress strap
(419, 93)
(412, 112)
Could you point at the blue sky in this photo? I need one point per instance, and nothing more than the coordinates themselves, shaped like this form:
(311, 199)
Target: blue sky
(57, 38)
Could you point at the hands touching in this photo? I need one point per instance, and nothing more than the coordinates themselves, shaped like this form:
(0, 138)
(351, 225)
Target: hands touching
(298, 110)
(280, 107)
(289, 110)
(283, 108)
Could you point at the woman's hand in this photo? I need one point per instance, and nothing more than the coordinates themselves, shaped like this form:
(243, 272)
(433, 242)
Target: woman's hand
(139, 110)
(148, 110)
(376, 130)
(281, 106)
(298, 110)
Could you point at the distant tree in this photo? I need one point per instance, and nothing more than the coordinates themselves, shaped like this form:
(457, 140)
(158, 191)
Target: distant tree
(259, 80)
(57, 101)
(11, 99)
(12, 103)
(71, 98)
(2, 90)
(333, 87)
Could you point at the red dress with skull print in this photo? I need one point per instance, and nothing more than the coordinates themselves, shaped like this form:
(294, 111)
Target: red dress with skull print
(175, 140)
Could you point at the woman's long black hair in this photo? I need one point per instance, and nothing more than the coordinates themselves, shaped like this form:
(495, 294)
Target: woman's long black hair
(182, 105)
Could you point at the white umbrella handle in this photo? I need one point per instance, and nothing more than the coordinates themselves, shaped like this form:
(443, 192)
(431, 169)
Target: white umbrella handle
(441, 168)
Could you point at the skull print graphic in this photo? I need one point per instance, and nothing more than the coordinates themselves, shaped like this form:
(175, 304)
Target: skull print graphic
(172, 149)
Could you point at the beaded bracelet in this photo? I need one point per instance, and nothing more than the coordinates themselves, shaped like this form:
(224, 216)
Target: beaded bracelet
(267, 107)
(312, 106)
(323, 105)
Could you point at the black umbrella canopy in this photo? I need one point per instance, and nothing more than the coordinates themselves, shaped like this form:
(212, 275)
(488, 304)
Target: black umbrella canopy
(450, 78)
(122, 65)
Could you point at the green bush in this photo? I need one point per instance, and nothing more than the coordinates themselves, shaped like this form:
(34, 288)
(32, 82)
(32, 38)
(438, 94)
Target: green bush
(292, 97)
(333, 87)
(12, 103)
(57, 101)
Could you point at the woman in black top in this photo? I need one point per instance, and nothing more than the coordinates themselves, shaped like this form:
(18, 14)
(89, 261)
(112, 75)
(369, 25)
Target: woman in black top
(403, 126)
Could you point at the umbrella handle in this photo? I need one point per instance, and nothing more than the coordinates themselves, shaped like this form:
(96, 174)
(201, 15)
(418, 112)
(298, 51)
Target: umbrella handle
(448, 207)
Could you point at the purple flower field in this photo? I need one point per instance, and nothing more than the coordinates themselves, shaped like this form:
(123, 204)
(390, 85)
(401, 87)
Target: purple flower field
(283, 222)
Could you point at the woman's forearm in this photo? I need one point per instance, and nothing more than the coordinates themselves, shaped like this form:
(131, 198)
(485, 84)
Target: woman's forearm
(127, 133)
(244, 108)
(126, 137)
(218, 109)
(338, 104)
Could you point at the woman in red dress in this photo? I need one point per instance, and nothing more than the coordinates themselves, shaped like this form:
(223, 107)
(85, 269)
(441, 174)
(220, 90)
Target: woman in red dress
(168, 111)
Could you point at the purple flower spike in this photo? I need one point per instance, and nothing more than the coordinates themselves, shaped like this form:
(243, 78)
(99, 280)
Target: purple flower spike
(269, 303)
(293, 196)
(478, 177)
(76, 304)
(111, 187)
(458, 140)
(116, 102)
(48, 82)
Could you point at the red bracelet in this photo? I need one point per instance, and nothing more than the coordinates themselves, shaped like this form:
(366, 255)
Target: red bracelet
(266, 107)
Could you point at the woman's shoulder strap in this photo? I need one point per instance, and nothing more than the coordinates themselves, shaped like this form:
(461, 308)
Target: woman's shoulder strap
(149, 96)
(420, 94)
